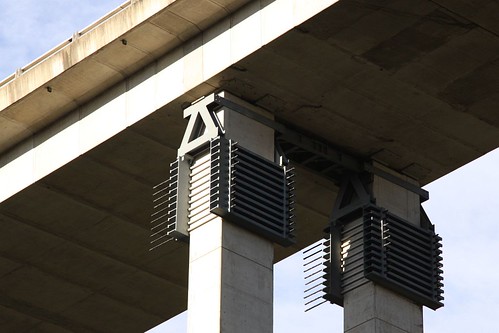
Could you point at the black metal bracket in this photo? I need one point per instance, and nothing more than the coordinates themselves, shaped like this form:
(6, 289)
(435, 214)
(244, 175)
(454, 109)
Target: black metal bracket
(381, 247)
(403, 257)
(318, 155)
(364, 242)
(251, 191)
(354, 194)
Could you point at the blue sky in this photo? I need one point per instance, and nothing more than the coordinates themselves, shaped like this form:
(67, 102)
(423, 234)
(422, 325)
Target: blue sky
(463, 204)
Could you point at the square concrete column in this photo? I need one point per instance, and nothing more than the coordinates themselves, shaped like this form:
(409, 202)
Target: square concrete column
(230, 268)
(230, 280)
(370, 307)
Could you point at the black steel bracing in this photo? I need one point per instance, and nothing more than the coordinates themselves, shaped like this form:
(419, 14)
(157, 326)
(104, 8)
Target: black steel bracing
(315, 153)
(403, 257)
(311, 160)
(383, 248)
(244, 188)
(251, 191)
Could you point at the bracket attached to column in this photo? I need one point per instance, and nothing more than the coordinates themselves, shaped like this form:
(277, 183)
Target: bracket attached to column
(365, 242)
(214, 175)
(171, 197)
(251, 191)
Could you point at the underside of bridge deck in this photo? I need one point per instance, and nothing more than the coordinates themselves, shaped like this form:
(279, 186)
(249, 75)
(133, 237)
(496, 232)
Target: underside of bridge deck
(413, 85)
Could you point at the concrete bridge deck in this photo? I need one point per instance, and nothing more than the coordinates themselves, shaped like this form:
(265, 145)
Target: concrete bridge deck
(86, 132)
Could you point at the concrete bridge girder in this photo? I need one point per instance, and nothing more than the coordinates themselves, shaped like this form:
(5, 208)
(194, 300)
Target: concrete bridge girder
(79, 162)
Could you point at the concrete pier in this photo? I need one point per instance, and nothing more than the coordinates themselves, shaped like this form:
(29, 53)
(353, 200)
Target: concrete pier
(88, 129)
(373, 308)
(230, 280)
(230, 268)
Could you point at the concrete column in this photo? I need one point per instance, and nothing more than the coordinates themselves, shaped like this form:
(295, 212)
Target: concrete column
(230, 280)
(230, 268)
(372, 308)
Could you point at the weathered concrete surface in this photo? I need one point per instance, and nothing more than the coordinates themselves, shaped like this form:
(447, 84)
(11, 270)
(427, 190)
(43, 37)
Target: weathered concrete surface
(101, 57)
(176, 78)
(74, 245)
(370, 307)
(412, 84)
(374, 309)
(230, 280)
(230, 269)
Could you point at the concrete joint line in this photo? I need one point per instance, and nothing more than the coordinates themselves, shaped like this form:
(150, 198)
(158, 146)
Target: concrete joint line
(204, 255)
(391, 324)
(240, 255)
(437, 2)
(249, 294)
(224, 248)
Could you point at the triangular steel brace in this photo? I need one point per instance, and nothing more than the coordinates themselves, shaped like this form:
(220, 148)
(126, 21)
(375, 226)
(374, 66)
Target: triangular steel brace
(203, 110)
(353, 195)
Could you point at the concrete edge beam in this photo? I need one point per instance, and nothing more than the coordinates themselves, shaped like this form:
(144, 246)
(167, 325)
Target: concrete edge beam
(153, 87)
